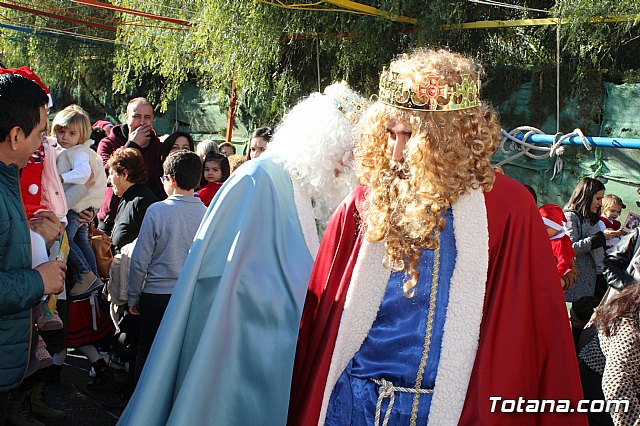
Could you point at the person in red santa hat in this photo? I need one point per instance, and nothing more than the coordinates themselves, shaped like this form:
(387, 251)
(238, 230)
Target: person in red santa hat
(553, 218)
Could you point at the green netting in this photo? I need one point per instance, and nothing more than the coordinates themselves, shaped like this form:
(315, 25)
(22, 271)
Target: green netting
(618, 168)
(199, 114)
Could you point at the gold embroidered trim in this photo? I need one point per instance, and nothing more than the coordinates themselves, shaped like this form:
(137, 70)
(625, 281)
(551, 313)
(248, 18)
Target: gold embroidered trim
(429, 331)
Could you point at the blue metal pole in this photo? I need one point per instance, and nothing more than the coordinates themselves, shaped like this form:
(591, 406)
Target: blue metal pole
(576, 140)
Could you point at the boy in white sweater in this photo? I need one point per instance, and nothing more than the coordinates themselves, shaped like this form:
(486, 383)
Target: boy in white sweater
(165, 237)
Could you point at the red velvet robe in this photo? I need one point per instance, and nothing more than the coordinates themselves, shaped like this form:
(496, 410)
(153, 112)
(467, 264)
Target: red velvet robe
(525, 346)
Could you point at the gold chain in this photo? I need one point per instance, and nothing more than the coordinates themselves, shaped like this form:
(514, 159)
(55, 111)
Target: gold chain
(429, 331)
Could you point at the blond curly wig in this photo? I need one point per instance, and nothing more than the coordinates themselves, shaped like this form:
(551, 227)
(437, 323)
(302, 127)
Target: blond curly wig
(447, 154)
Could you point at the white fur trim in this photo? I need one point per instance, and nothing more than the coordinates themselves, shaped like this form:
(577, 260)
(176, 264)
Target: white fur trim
(464, 312)
(551, 224)
(306, 217)
(366, 291)
(462, 325)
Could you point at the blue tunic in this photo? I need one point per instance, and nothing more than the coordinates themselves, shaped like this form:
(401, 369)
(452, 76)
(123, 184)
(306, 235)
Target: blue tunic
(224, 352)
(393, 349)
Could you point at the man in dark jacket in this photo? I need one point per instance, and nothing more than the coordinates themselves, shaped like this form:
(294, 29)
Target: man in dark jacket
(138, 133)
(23, 121)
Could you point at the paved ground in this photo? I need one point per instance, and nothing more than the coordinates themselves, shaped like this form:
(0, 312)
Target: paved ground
(83, 407)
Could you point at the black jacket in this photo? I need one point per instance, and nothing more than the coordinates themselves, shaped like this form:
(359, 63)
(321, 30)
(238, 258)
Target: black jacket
(617, 262)
(131, 210)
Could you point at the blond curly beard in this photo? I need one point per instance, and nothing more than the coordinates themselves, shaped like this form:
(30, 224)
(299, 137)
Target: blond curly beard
(446, 155)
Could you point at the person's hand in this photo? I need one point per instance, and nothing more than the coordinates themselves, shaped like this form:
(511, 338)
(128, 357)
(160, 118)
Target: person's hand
(610, 233)
(570, 277)
(142, 135)
(133, 310)
(52, 274)
(86, 216)
(46, 224)
(91, 181)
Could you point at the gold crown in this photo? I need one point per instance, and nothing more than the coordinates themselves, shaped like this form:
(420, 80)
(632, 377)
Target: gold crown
(430, 95)
(353, 108)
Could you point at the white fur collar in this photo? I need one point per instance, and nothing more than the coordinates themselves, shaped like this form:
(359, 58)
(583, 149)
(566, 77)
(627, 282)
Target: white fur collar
(462, 325)
(306, 217)
(464, 313)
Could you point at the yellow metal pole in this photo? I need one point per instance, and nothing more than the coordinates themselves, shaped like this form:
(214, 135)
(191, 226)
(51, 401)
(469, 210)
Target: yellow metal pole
(536, 22)
(352, 5)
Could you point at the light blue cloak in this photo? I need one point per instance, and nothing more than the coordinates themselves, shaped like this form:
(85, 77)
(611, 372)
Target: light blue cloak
(224, 352)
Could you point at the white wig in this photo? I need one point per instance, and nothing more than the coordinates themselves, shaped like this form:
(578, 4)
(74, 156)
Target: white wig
(315, 140)
(206, 146)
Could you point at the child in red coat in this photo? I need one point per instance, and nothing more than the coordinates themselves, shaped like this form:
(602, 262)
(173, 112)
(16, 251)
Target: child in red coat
(215, 171)
(553, 218)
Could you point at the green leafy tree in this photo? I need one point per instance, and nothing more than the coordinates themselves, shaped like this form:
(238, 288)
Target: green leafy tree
(75, 63)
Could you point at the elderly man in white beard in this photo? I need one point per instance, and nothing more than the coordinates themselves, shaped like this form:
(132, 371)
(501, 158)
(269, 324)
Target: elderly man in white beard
(224, 351)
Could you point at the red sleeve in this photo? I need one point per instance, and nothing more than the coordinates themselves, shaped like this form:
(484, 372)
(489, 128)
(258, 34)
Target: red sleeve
(105, 148)
(525, 347)
(323, 307)
(207, 193)
(564, 254)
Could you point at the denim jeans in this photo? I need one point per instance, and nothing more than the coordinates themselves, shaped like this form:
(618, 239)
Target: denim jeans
(80, 252)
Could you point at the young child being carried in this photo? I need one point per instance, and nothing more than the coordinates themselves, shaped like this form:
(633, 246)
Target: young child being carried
(612, 206)
(164, 241)
(553, 218)
(215, 172)
(77, 163)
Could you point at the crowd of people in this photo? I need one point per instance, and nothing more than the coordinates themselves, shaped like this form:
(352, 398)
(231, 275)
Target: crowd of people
(363, 263)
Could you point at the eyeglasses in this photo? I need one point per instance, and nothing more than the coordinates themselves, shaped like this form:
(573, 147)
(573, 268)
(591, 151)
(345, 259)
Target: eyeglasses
(164, 178)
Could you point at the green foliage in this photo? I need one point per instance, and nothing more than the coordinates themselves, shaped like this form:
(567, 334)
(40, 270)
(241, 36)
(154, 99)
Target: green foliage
(278, 54)
(598, 48)
(75, 69)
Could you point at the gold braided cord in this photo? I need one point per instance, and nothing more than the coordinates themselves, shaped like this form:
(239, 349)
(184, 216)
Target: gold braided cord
(428, 332)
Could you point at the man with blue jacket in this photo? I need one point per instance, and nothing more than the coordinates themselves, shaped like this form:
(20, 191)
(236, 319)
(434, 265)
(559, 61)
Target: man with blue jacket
(23, 121)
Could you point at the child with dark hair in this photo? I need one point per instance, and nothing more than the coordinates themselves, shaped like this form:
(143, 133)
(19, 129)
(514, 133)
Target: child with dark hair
(215, 171)
(97, 134)
(580, 314)
(162, 246)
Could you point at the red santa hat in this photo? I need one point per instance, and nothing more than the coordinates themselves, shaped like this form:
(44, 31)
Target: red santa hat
(552, 216)
(103, 124)
(26, 72)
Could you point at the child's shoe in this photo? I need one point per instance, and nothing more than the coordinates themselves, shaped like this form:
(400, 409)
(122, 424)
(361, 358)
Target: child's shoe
(43, 354)
(46, 320)
(86, 284)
